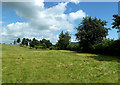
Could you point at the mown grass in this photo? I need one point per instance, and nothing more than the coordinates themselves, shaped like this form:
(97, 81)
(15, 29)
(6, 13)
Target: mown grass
(24, 65)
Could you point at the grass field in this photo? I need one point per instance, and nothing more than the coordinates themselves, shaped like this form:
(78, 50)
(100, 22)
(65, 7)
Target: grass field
(24, 65)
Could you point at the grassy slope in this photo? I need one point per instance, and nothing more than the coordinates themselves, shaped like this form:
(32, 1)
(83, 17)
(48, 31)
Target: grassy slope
(23, 65)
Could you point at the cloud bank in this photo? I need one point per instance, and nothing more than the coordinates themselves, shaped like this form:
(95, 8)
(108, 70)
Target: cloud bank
(41, 22)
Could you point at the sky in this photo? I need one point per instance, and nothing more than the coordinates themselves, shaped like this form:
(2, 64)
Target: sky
(48, 19)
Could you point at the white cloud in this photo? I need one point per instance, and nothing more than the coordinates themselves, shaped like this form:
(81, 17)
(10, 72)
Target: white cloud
(75, 1)
(42, 22)
(76, 15)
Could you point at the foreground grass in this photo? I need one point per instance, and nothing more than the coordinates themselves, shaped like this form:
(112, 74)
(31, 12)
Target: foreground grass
(24, 65)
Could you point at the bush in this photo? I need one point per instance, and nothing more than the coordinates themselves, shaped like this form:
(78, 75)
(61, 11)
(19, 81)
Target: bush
(73, 47)
(110, 47)
(39, 47)
(21, 45)
(44, 46)
(52, 48)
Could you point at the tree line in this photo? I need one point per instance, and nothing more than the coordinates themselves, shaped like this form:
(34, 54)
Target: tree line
(34, 43)
(91, 34)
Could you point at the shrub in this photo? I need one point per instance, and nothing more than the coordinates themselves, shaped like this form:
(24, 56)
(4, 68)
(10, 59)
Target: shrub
(108, 46)
(40, 47)
(73, 47)
(44, 46)
(21, 45)
(52, 48)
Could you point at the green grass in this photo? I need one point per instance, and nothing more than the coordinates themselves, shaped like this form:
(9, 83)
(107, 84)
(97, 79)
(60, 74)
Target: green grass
(24, 65)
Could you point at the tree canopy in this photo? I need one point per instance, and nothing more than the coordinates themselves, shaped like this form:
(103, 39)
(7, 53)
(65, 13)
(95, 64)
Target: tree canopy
(116, 23)
(64, 40)
(18, 40)
(90, 32)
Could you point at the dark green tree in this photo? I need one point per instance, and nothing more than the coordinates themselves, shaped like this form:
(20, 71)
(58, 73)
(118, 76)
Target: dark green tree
(23, 41)
(14, 42)
(64, 40)
(90, 32)
(47, 42)
(26, 42)
(32, 44)
(44, 46)
(116, 23)
(18, 40)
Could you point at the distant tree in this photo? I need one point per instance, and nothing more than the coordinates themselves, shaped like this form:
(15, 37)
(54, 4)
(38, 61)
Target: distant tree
(47, 42)
(18, 40)
(14, 42)
(116, 23)
(26, 42)
(23, 41)
(44, 46)
(32, 44)
(64, 40)
(90, 32)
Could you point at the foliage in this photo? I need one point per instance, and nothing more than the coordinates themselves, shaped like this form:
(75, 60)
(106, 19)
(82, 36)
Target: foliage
(73, 47)
(52, 48)
(108, 46)
(64, 40)
(14, 42)
(39, 47)
(34, 43)
(23, 41)
(44, 46)
(47, 42)
(116, 23)
(90, 32)
(18, 40)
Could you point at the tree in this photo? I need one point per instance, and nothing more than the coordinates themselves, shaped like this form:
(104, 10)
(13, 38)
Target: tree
(47, 42)
(23, 41)
(90, 32)
(18, 40)
(116, 23)
(26, 42)
(14, 42)
(32, 44)
(63, 42)
(44, 46)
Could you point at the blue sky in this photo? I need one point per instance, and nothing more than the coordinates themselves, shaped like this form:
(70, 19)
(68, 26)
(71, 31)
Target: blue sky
(12, 13)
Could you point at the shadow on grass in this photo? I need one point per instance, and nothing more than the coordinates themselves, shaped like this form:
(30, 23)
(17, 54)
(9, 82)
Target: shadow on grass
(101, 57)
(104, 58)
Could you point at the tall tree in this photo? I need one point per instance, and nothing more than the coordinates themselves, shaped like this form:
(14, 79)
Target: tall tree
(116, 23)
(64, 40)
(90, 32)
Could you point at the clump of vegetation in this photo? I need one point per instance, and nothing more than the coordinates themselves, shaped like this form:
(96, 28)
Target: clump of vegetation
(34, 43)
(64, 41)
(90, 32)
(73, 47)
(52, 47)
(108, 46)
(116, 23)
